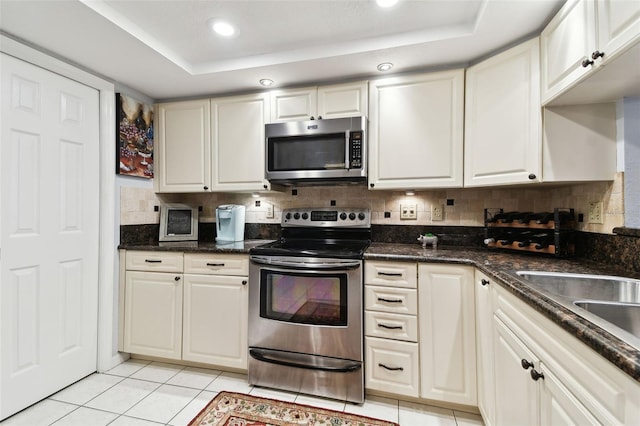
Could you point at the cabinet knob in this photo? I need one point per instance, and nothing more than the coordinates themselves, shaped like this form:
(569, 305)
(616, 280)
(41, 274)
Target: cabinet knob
(597, 54)
(265, 186)
(526, 364)
(484, 282)
(177, 278)
(532, 176)
(586, 62)
(244, 282)
(206, 188)
(319, 117)
(372, 185)
(536, 375)
(312, 118)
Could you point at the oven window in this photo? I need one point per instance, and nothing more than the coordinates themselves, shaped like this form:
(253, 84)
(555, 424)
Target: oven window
(304, 298)
(319, 152)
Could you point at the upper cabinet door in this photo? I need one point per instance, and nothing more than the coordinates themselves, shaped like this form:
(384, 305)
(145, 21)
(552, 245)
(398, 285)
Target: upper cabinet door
(618, 25)
(416, 131)
(503, 123)
(343, 100)
(238, 153)
(569, 39)
(294, 104)
(183, 146)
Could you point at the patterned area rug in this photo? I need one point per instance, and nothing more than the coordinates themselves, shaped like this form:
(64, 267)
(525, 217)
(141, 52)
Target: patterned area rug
(238, 409)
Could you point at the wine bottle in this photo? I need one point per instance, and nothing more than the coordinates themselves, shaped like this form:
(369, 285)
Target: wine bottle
(544, 218)
(516, 217)
(531, 239)
(542, 241)
(499, 216)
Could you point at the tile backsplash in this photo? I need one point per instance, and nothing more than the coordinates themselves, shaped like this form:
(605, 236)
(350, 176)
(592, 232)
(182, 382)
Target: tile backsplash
(137, 204)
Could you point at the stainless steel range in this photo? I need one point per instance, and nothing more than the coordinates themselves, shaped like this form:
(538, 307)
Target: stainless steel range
(305, 304)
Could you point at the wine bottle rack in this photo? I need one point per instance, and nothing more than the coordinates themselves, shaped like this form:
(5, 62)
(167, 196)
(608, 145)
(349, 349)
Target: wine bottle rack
(549, 233)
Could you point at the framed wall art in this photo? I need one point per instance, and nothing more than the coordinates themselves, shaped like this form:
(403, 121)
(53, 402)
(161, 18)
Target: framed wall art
(134, 127)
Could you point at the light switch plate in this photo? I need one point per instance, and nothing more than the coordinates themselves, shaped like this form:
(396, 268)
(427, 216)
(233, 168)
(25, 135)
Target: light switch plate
(409, 211)
(269, 209)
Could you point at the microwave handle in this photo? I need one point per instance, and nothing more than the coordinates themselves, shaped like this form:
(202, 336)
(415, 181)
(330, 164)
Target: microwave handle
(347, 153)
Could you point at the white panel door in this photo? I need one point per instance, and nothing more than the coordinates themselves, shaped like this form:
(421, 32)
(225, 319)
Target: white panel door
(49, 234)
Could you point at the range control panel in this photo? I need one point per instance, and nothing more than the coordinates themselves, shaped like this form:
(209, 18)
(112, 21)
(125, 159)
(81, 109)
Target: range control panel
(327, 217)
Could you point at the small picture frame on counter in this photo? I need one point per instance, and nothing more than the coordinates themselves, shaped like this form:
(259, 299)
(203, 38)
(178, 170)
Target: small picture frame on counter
(178, 222)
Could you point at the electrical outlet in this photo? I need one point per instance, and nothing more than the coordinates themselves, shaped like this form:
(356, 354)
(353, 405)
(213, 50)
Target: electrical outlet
(408, 211)
(269, 208)
(595, 212)
(437, 212)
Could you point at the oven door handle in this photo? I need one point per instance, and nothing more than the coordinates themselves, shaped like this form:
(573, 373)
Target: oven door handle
(309, 362)
(336, 266)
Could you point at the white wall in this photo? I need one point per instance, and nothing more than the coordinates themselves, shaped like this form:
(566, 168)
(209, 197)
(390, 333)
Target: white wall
(631, 111)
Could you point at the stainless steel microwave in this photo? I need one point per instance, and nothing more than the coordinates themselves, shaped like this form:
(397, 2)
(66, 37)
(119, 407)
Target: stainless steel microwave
(317, 151)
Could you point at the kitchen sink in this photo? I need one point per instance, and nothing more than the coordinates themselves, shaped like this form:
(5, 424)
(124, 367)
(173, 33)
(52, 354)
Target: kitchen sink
(612, 303)
(625, 316)
(581, 286)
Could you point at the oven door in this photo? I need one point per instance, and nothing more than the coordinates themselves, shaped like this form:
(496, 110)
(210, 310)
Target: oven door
(306, 305)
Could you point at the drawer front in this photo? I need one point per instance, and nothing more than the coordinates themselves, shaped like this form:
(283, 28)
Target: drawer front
(155, 261)
(389, 299)
(392, 366)
(216, 264)
(392, 274)
(391, 326)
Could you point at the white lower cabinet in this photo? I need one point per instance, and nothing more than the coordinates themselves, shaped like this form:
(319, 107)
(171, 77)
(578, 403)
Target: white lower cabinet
(544, 376)
(392, 366)
(447, 333)
(215, 320)
(153, 304)
(484, 347)
(391, 328)
(186, 306)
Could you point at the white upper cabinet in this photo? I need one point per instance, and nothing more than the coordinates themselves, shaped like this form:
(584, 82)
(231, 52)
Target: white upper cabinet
(416, 131)
(580, 39)
(183, 147)
(335, 101)
(503, 124)
(238, 143)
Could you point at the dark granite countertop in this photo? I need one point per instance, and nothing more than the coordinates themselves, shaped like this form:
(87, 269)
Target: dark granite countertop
(497, 264)
(198, 246)
(500, 265)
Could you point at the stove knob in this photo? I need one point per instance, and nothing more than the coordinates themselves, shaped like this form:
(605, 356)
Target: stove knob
(361, 216)
(305, 216)
(287, 216)
(296, 215)
(343, 216)
(352, 216)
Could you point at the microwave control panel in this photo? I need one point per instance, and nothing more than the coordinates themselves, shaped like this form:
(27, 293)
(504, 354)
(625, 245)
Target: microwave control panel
(355, 150)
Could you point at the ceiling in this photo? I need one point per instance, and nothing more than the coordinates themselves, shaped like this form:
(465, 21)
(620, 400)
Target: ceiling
(166, 50)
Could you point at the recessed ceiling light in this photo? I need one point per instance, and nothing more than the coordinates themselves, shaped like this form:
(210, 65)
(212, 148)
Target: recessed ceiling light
(386, 3)
(223, 28)
(409, 193)
(385, 66)
(266, 82)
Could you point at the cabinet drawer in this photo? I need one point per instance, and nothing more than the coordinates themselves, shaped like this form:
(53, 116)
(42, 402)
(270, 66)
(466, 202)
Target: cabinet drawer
(392, 366)
(216, 264)
(389, 299)
(391, 326)
(393, 274)
(156, 261)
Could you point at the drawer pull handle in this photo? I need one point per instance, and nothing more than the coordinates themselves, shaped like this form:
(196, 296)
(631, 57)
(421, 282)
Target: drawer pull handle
(153, 261)
(526, 364)
(390, 368)
(176, 278)
(382, 299)
(390, 327)
(390, 274)
(215, 264)
(535, 375)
